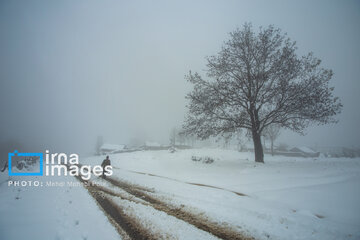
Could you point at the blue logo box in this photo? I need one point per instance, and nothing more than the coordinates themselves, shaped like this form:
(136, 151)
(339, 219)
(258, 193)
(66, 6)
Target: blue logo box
(15, 153)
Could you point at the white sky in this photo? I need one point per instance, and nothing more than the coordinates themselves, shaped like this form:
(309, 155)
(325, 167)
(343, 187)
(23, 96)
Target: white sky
(71, 70)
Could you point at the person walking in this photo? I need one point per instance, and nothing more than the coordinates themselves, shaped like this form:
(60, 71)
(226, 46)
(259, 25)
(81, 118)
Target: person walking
(105, 163)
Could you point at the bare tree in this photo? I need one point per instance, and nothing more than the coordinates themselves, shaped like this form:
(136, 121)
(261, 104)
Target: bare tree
(181, 138)
(240, 140)
(7, 146)
(191, 139)
(272, 132)
(99, 143)
(173, 136)
(257, 80)
(226, 139)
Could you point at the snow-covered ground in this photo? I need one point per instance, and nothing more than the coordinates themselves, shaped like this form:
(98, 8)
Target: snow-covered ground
(285, 198)
(50, 212)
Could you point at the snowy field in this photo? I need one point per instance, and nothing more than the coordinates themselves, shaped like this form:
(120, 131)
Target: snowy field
(54, 213)
(168, 196)
(285, 198)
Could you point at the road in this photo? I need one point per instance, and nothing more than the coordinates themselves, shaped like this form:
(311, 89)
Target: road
(130, 228)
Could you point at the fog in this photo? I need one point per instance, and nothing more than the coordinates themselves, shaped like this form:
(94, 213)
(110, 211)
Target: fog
(73, 70)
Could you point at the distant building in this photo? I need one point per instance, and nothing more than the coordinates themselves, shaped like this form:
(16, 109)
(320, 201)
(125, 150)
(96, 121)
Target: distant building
(305, 152)
(150, 145)
(111, 148)
(337, 152)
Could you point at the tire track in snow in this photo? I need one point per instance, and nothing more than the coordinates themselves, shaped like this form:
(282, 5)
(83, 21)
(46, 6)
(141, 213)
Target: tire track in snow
(191, 183)
(199, 222)
(134, 229)
(127, 227)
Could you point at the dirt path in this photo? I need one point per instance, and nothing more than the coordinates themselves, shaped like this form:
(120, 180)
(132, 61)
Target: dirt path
(127, 228)
(130, 228)
(145, 196)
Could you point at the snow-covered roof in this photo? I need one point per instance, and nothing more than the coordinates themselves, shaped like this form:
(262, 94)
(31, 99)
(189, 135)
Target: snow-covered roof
(303, 149)
(112, 147)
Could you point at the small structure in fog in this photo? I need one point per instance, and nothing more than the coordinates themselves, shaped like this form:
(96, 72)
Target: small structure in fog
(107, 148)
(337, 152)
(150, 145)
(305, 152)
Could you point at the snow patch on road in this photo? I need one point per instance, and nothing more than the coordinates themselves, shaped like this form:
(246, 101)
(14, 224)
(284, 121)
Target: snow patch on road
(160, 224)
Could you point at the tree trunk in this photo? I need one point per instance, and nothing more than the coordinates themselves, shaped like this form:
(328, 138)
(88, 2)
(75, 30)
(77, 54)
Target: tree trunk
(272, 147)
(259, 154)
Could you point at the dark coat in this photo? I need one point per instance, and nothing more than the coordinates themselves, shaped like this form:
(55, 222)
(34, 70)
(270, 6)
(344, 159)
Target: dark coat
(105, 163)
